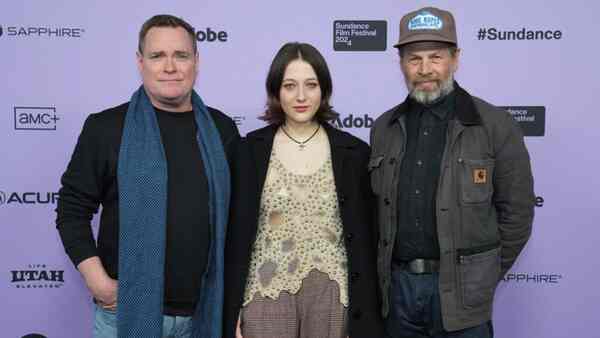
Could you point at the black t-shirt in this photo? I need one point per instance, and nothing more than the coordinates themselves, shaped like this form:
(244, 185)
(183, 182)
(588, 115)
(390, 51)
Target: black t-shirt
(188, 230)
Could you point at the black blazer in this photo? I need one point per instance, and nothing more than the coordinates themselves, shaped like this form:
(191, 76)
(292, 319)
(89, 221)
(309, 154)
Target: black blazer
(91, 180)
(349, 157)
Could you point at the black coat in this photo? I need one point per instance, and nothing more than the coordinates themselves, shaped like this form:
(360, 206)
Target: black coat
(349, 157)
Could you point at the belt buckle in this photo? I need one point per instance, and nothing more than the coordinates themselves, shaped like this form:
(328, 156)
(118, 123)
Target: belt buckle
(422, 266)
(417, 266)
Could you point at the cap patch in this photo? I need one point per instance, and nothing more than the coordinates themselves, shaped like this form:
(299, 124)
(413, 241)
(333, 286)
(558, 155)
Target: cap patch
(425, 20)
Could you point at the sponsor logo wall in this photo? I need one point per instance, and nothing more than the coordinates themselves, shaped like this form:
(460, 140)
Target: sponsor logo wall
(359, 35)
(353, 121)
(35, 118)
(29, 197)
(62, 63)
(495, 34)
(211, 35)
(37, 276)
(27, 31)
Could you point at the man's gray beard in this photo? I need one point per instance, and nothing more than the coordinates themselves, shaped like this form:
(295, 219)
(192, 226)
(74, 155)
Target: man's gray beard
(425, 97)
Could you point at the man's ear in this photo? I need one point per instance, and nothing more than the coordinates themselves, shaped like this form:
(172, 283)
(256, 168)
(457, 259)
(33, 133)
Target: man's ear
(456, 59)
(139, 60)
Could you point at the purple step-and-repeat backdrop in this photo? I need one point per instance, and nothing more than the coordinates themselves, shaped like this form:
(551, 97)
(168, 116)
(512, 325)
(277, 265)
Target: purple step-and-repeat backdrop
(61, 60)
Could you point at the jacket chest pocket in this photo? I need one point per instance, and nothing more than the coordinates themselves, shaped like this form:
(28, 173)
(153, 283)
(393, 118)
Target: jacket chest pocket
(476, 180)
(376, 173)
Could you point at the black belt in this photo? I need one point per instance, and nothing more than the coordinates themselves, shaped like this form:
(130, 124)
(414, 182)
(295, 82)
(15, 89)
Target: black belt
(421, 266)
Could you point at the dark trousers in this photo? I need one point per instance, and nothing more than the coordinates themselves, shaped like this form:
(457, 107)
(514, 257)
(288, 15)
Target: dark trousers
(415, 310)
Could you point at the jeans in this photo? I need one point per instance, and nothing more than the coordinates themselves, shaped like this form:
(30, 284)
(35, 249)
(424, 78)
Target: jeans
(105, 325)
(415, 310)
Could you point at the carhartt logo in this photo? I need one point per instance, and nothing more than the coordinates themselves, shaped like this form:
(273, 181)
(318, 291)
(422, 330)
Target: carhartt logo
(425, 20)
(480, 176)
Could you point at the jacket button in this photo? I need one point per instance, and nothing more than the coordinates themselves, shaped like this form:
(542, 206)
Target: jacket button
(386, 201)
(349, 237)
(392, 160)
(385, 243)
(357, 314)
(342, 199)
(355, 276)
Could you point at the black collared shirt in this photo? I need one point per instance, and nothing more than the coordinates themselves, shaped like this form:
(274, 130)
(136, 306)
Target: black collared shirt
(426, 128)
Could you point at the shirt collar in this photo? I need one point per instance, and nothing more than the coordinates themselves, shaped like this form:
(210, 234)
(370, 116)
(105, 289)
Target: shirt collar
(441, 108)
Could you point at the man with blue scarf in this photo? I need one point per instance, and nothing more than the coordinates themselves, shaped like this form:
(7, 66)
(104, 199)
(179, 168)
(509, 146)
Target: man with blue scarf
(158, 167)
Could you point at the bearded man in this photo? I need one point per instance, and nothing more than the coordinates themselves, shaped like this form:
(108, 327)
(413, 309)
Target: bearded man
(454, 190)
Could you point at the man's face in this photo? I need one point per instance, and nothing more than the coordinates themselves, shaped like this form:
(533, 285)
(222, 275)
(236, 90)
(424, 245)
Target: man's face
(429, 74)
(168, 67)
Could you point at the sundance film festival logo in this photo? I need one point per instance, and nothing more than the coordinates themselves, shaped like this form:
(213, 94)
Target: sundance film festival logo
(28, 198)
(37, 276)
(495, 34)
(532, 119)
(359, 35)
(353, 121)
(41, 32)
(35, 118)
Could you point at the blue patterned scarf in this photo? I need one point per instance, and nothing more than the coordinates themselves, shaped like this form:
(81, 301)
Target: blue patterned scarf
(142, 181)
